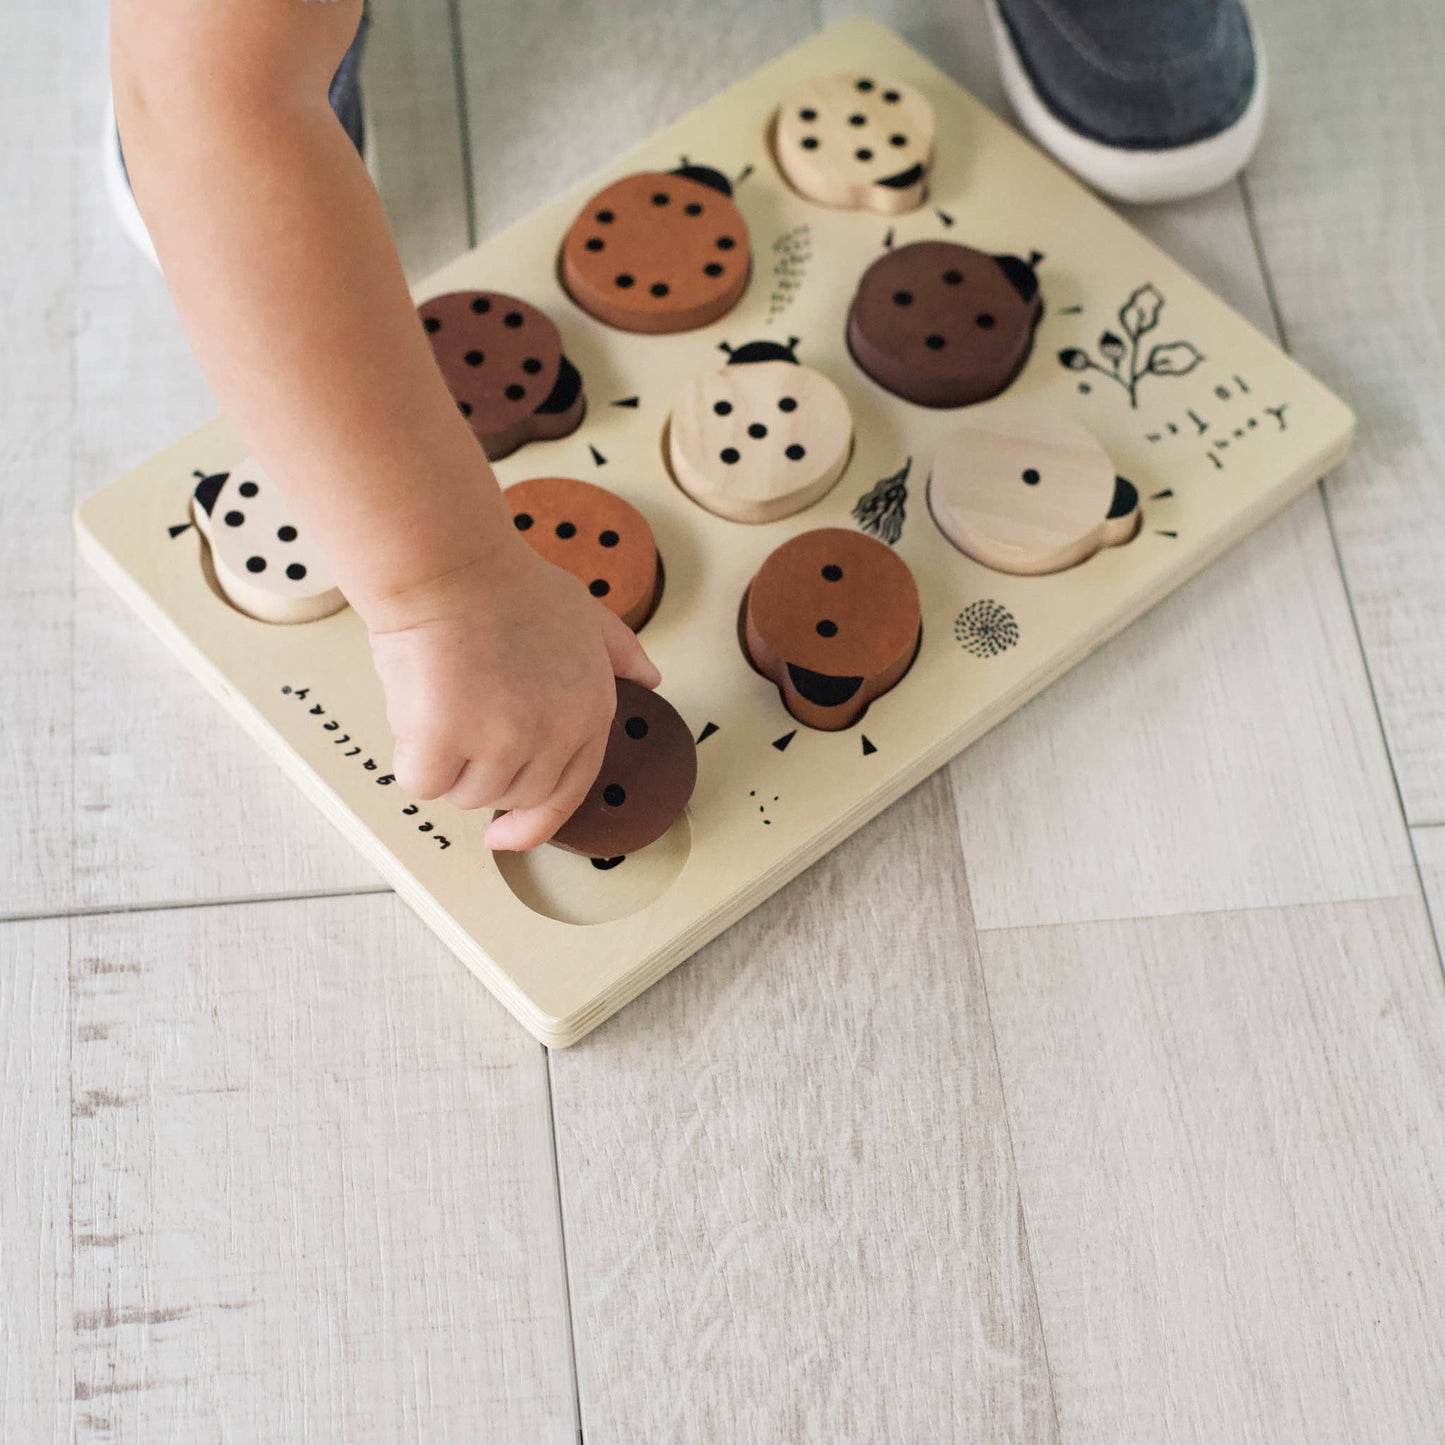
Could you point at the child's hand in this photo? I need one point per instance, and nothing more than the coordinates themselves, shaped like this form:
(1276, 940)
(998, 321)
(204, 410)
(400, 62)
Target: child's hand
(499, 689)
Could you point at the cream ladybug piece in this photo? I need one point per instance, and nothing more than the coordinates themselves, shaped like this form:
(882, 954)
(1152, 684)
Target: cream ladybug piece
(1029, 493)
(262, 561)
(760, 438)
(857, 142)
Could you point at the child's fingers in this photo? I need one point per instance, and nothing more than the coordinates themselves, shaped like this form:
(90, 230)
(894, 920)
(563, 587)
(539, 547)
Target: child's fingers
(625, 653)
(525, 828)
(479, 784)
(425, 771)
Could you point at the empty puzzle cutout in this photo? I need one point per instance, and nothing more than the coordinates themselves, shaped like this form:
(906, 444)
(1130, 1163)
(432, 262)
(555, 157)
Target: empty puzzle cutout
(1029, 492)
(760, 438)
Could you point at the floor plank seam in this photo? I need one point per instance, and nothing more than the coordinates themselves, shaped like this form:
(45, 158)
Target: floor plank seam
(566, 1265)
(464, 120)
(109, 910)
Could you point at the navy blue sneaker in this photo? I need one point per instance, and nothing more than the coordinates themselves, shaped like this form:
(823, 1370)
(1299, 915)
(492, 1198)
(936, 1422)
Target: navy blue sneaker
(1146, 101)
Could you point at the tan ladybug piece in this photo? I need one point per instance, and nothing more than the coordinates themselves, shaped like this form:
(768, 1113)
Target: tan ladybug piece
(760, 438)
(1029, 492)
(858, 142)
(659, 251)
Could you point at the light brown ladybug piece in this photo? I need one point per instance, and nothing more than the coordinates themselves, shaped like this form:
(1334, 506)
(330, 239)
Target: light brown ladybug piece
(659, 251)
(858, 142)
(502, 360)
(832, 618)
(592, 533)
(647, 775)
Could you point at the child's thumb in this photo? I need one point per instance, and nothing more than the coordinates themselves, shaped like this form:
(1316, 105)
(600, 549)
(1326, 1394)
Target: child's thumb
(625, 653)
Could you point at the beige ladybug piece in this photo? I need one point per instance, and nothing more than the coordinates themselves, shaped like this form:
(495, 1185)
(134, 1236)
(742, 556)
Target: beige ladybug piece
(262, 561)
(760, 438)
(1029, 493)
(856, 142)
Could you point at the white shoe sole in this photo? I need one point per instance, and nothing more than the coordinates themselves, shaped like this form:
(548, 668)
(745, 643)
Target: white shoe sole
(1136, 176)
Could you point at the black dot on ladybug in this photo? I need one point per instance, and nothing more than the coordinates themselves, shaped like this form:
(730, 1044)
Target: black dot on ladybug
(531, 366)
(827, 628)
(722, 408)
(730, 455)
(1031, 477)
(898, 139)
(692, 209)
(516, 391)
(599, 588)
(513, 319)
(595, 243)
(659, 288)
(566, 530)
(248, 489)
(832, 573)
(863, 153)
(952, 278)
(609, 538)
(787, 403)
(903, 298)
(522, 521)
(934, 342)
(296, 571)
(984, 320)
(757, 430)
(234, 519)
(661, 198)
(808, 114)
(635, 728)
(605, 217)
(474, 358)
(857, 118)
(795, 453)
(285, 534)
(725, 243)
(624, 280)
(255, 564)
(481, 305)
(614, 795)
(712, 269)
(810, 142)
(892, 97)
(432, 325)
(865, 86)
(465, 407)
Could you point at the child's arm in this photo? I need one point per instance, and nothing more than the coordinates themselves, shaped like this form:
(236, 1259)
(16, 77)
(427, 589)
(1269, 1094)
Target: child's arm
(498, 668)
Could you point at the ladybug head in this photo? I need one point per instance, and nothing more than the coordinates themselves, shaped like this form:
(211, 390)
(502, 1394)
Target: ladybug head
(209, 488)
(762, 351)
(1020, 274)
(705, 176)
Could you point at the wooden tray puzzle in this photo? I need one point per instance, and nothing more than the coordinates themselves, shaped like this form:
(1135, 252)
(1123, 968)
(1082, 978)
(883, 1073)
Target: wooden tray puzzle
(1215, 427)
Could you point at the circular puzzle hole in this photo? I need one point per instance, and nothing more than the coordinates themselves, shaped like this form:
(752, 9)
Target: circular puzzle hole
(571, 889)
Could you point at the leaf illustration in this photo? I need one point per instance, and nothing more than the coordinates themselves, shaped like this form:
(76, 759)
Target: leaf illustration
(1177, 358)
(1113, 347)
(1074, 359)
(1140, 313)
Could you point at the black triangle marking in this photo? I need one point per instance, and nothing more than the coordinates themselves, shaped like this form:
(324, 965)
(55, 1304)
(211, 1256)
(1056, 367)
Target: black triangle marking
(945, 218)
(708, 730)
(179, 528)
(597, 456)
(1070, 310)
(782, 743)
(868, 748)
(888, 240)
(1166, 534)
(627, 401)
(1158, 496)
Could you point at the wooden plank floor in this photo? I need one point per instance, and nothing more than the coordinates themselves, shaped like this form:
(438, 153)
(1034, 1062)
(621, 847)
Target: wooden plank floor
(1118, 1114)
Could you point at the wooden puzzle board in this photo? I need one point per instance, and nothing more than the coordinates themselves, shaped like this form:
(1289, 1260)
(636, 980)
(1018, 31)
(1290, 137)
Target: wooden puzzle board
(1222, 432)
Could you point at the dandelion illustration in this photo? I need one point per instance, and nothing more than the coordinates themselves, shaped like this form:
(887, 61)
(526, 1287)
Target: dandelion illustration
(986, 628)
(791, 253)
(881, 510)
(1123, 359)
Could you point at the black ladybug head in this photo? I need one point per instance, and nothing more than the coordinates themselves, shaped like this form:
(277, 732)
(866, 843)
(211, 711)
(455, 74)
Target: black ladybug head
(762, 351)
(705, 175)
(1126, 498)
(209, 488)
(1021, 274)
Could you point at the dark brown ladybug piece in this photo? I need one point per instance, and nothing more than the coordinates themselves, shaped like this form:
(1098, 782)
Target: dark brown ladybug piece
(502, 360)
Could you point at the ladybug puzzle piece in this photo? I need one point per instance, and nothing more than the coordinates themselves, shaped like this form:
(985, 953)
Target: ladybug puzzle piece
(858, 142)
(942, 324)
(1028, 493)
(659, 252)
(260, 559)
(502, 360)
(833, 619)
(647, 776)
(762, 437)
(592, 533)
